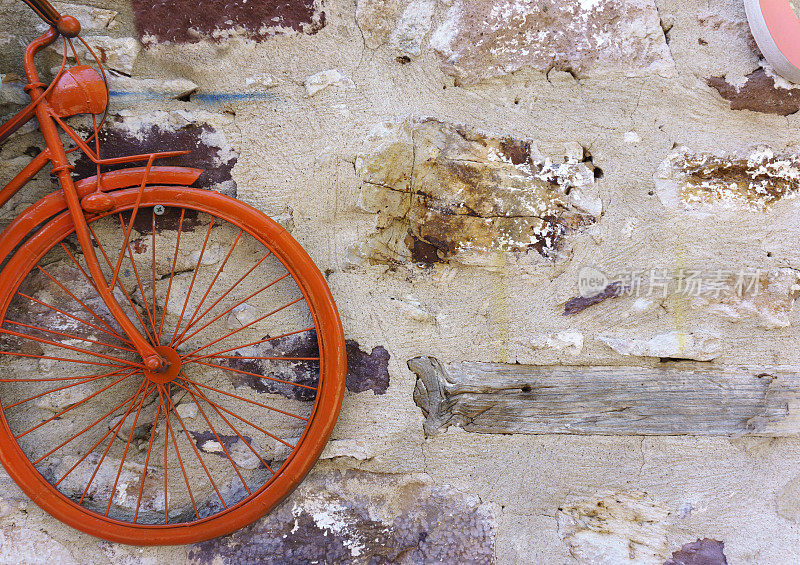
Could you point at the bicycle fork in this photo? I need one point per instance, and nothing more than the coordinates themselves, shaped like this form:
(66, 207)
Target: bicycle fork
(61, 168)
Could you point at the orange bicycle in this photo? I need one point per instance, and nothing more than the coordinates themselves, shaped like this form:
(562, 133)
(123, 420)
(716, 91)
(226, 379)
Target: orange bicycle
(172, 360)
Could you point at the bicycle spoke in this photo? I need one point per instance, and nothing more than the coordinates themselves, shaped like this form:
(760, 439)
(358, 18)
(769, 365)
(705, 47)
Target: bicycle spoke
(129, 229)
(49, 379)
(88, 380)
(147, 458)
(70, 336)
(94, 286)
(222, 444)
(124, 455)
(145, 394)
(32, 299)
(188, 380)
(87, 428)
(253, 357)
(242, 301)
(211, 285)
(55, 359)
(153, 264)
(113, 430)
(75, 298)
(263, 431)
(191, 284)
(31, 355)
(204, 397)
(151, 316)
(171, 274)
(183, 469)
(196, 452)
(121, 286)
(244, 276)
(80, 268)
(166, 464)
(237, 330)
(73, 406)
(256, 375)
(260, 341)
(70, 347)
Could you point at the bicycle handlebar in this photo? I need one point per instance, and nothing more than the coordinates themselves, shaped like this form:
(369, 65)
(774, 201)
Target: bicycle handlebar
(65, 25)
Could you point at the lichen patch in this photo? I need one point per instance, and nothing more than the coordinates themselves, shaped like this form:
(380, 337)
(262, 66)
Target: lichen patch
(358, 517)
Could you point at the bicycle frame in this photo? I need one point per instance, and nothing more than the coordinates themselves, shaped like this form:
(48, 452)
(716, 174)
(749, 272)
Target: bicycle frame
(91, 199)
(292, 301)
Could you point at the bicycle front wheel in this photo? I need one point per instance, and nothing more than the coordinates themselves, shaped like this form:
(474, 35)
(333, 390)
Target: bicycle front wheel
(253, 391)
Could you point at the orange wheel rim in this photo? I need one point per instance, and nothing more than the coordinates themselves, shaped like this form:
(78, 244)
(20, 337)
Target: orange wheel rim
(194, 343)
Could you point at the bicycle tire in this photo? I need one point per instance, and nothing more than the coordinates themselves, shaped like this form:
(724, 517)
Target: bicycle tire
(31, 340)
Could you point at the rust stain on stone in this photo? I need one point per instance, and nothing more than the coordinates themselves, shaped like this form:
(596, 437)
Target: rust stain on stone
(189, 21)
(756, 180)
(580, 303)
(452, 192)
(759, 94)
(701, 552)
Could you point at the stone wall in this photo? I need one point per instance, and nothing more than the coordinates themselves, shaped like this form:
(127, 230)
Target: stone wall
(576, 185)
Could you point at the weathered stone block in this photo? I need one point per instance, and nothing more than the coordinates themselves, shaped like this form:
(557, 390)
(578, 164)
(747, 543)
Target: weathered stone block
(324, 79)
(359, 518)
(131, 133)
(92, 18)
(401, 23)
(707, 183)
(115, 53)
(183, 22)
(619, 528)
(453, 193)
(479, 40)
(698, 346)
(768, 302)
(376, 19)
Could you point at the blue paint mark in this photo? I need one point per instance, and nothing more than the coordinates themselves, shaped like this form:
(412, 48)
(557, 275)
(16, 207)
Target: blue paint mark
(202, 98)
(136, 95)
(221, 97)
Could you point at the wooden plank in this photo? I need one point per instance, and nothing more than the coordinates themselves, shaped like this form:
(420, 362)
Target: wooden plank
(497, 398)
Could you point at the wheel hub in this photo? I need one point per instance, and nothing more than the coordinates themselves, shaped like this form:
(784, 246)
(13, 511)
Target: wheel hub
(173, 368)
